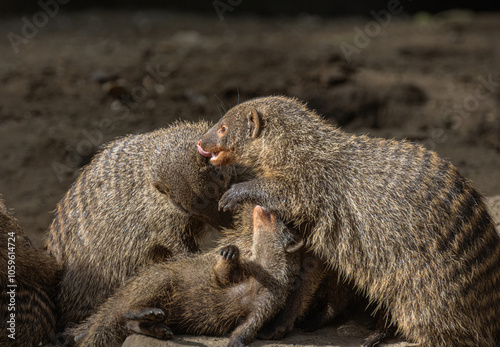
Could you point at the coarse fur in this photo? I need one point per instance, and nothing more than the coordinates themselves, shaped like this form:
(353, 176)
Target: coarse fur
(142, 199)
(402, 223)
(315, 284)
(28, 278)
(212, 293)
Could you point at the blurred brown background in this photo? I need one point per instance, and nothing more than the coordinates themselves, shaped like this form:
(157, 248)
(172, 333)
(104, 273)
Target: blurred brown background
(76, 74)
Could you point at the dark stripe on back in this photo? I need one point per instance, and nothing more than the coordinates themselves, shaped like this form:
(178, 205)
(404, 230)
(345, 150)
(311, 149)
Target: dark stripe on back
(473, 222)
(487, 263)
(423, 171)
(438, 181)
(461, 215)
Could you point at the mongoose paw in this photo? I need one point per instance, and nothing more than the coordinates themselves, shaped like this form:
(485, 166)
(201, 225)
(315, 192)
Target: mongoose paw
(160, 331)
(377, 336)
(230, 252)
(236, 342)
(149, 322)
(233, 197)
(148, 314)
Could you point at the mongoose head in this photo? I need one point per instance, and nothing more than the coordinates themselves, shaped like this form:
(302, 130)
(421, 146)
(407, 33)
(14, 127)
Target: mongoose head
(186, 179)
(220, 143)
(272, 238)
(237, 137)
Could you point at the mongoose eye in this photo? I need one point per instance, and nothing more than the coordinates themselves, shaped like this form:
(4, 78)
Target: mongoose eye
(222, 130)
(162, 187)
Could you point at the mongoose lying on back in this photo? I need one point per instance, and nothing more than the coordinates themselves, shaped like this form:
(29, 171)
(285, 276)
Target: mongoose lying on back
(205, 294)
(403, 224)
(315, 284)
(142, 199)
(28, 278)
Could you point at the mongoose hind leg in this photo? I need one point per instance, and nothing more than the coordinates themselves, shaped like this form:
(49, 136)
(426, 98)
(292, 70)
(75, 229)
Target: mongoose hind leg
(329, 304)
(298, 302)
(149, 321)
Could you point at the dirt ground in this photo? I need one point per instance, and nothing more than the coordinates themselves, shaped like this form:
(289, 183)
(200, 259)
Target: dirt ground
(82, 79)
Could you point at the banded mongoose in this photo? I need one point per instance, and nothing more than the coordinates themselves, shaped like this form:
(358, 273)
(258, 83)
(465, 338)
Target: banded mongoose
(210, 293)
(142, 199)
(398, 220)
(314, 284)
(28, 279)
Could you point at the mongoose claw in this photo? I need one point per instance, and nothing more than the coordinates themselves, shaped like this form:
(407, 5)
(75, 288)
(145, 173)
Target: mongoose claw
(160, 331)
(230, 252)
(233, 197)
(228, 202)
(148, 322)
(148, 314)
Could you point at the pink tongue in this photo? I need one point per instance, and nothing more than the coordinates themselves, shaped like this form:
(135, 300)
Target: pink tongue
(203, 153)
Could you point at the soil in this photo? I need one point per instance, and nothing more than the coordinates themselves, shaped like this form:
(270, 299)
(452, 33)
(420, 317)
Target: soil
(82, 79)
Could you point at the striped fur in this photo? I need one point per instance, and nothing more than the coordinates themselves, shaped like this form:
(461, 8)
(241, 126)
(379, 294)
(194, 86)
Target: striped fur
(392, 216)
(36, 276)
(142, 199)
(206, 294)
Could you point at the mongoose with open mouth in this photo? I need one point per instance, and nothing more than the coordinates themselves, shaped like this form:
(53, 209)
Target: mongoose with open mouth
(402, 223)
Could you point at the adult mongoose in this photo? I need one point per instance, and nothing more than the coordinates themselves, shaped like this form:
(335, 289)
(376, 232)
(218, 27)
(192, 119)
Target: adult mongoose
(142, 199)
(28, 278)
(210, 293)
(402, 223)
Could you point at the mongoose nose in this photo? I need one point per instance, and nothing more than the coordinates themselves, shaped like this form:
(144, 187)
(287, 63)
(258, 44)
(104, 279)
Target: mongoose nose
(261, 218)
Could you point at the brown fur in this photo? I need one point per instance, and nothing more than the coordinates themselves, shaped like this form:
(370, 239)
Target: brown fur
(205, 294)
(36, 276)
(402, 223)
(315, 285)
(142, 199)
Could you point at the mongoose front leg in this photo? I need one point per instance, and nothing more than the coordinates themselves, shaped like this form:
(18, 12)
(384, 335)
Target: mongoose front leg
(227, 270)
(237, 194)
(149, 321)
(275, 196)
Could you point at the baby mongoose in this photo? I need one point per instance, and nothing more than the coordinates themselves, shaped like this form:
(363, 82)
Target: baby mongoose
(28, 278)
(142, 199)
(315, 285)
(211, 293)
(402, 223)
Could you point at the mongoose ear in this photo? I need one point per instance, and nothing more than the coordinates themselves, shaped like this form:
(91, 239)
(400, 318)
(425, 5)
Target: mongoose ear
(254, 122)
(294, 246)
(161, 187)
